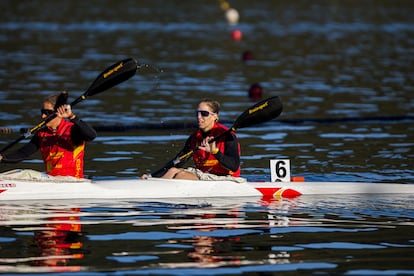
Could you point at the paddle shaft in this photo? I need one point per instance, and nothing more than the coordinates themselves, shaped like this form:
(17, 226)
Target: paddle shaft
(111, 76)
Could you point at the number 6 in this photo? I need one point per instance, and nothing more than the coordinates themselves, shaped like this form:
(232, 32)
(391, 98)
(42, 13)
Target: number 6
(280, 170)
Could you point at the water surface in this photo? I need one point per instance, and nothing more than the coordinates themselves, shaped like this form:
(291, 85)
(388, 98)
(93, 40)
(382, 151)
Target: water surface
(318, 234)
(342, 69)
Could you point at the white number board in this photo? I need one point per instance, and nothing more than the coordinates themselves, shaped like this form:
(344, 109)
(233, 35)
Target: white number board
(280, 170)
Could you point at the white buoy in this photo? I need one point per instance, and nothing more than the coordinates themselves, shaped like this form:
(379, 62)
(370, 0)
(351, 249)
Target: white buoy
(232, 16)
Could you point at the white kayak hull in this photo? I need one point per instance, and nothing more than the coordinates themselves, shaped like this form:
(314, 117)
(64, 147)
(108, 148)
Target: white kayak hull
(155, 188)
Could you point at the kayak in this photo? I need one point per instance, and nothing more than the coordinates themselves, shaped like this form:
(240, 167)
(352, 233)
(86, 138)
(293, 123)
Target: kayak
(43, 187)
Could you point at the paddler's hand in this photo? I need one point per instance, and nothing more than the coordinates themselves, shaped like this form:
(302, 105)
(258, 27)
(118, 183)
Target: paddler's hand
(65, 111)
(207, 146)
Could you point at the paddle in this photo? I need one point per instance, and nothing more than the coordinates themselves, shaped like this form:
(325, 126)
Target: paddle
(259, 113)
(62, 99)
(111, 76)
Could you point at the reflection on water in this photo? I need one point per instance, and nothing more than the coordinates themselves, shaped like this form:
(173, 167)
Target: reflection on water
(55, 239)
(215, 234)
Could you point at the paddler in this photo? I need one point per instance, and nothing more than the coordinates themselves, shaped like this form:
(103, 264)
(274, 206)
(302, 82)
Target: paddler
(217, 160)
(61, 142)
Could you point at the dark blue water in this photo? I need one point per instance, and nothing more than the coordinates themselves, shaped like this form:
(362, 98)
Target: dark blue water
(342, 70)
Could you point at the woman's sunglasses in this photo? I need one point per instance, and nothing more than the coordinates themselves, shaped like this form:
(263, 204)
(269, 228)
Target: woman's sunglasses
(47, 112)
(204, 113)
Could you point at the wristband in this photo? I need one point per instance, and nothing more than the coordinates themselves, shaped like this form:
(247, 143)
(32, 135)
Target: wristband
(215, 151)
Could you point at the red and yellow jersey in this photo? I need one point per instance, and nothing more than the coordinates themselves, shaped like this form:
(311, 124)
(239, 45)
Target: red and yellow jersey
(60, 155)
(207, 162)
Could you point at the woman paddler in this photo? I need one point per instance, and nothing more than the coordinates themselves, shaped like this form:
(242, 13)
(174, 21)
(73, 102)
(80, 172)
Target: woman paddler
(61, 142)
(217, 160)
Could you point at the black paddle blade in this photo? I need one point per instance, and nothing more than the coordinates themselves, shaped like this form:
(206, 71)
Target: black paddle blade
(113, 75)
(261, 112)
(62, 99)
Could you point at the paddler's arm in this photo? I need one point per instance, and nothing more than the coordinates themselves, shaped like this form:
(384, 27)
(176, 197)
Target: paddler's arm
(230, 158)
(24, 152)
(81, 131)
